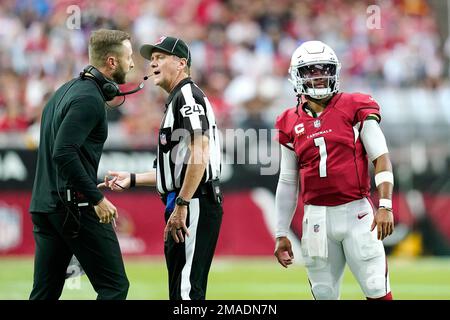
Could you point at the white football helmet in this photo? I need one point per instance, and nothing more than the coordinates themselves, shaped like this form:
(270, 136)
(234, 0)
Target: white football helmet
(315, 70)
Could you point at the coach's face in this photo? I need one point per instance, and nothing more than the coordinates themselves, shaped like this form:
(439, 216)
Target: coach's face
(165, 69)
(124, 63)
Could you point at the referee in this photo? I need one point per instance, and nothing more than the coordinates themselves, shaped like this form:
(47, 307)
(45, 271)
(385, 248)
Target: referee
(187, 172)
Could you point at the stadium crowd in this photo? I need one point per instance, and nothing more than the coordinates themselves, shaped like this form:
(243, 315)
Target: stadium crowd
(241, 51)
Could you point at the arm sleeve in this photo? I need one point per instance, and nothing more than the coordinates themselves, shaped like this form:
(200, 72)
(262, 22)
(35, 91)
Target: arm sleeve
(81, 117)
(287, 192)
(373, 139)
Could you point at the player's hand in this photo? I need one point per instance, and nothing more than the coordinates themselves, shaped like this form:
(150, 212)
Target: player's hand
(106, 211)
(176, 225)
(116, 181)
(283, 251)
(384, 221)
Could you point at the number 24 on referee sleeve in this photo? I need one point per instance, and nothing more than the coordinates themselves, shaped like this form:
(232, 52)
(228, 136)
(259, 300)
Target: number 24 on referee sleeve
(188, 110)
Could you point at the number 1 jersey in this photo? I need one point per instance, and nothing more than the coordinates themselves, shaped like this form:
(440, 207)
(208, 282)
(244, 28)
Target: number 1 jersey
(331, 157)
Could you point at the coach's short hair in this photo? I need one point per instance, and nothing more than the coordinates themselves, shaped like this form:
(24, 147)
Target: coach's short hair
(104, 42)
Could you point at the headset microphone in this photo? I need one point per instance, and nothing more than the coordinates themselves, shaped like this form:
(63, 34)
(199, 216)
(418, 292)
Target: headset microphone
(108, 88)
(141, 85)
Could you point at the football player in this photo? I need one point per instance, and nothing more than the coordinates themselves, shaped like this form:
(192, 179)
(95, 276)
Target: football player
(326, 141)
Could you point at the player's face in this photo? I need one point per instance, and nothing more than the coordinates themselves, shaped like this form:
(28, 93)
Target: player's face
(125, 63)
(317, 74)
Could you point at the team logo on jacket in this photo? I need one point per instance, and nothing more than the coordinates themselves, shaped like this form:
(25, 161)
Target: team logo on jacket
(299, 129)
(163, 138)
(317, 123)
(316, 228)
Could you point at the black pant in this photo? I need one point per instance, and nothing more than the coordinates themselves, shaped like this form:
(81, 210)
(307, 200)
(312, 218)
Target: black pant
(188, 263)
(94, 244)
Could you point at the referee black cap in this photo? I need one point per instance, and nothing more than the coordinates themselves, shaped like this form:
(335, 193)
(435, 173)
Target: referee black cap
(170, 45)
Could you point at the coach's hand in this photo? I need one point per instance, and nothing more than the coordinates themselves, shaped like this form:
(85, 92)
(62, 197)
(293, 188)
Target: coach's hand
(283, 251)
(106, 211)
(176, 224)
(384, 221)
(116, 181)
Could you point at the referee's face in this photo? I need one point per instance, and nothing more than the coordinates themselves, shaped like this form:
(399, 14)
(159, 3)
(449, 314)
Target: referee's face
(165, 70)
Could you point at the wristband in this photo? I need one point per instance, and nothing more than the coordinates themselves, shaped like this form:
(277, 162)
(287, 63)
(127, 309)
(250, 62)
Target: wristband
(385, 203)
(384, 176)
(132, 180)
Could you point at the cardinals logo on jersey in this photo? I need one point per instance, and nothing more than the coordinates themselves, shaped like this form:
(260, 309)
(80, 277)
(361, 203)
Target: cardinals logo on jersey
(317, 123)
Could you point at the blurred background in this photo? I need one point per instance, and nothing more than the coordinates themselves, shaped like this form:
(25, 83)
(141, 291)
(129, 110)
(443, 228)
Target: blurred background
(396, 50)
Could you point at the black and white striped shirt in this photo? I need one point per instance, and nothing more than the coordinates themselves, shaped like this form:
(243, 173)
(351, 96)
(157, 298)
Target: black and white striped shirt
(188, 112)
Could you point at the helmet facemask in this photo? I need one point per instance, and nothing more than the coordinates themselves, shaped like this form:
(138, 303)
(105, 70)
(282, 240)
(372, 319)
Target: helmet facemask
(318, 79)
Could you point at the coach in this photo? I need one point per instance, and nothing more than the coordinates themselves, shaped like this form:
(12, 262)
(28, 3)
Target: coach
(70, 215)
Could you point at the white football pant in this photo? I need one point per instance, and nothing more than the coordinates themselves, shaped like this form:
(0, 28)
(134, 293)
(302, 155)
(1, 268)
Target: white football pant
(348, 239)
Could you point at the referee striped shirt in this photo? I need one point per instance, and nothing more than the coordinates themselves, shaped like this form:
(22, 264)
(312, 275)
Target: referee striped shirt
(188, 112)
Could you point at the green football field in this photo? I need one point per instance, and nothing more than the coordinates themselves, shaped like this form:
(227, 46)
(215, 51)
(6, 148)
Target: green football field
(241, 278)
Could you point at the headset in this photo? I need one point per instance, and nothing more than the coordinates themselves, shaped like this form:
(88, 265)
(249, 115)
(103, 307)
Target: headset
(108, 88)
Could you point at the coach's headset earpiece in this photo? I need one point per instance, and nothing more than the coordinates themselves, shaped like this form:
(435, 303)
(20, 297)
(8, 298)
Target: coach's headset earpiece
(108, 88)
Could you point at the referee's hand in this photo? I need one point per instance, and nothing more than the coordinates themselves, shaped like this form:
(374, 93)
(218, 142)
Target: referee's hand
(176, 225)
(116, 181)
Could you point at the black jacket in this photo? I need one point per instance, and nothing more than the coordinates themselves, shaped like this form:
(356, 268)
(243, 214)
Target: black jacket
(73, 131)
